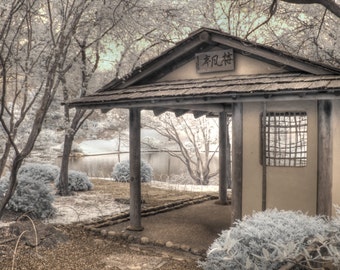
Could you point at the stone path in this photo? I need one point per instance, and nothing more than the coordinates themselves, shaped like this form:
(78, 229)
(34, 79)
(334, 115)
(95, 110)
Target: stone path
(191, 228)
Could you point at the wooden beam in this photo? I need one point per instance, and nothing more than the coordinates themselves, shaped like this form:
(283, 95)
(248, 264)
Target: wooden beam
(223, 158)
(217, 108)
(162, 62)
(135, 174)
(151, 104)
(197, 109)
(237, 161)
(324, 182)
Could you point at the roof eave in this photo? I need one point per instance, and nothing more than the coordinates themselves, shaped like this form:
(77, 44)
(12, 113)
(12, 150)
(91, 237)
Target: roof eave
(260, 96)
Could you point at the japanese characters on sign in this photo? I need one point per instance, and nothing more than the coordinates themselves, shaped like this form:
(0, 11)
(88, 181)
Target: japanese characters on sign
(212, 61)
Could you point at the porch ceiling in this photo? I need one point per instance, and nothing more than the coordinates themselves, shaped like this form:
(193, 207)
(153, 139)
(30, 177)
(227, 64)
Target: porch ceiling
(203, 96)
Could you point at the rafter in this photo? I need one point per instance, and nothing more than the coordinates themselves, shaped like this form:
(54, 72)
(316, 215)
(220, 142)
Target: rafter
(179, 113)
(198, 114)
(159, 111)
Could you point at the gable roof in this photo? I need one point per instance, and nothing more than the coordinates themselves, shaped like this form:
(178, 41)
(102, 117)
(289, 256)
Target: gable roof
(205, 38)
(306, 79)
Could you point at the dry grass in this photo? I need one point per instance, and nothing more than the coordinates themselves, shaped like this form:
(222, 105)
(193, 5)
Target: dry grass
(70, 247)
(152, 196)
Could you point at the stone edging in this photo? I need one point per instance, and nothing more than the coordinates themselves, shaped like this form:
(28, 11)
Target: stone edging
(98, 227)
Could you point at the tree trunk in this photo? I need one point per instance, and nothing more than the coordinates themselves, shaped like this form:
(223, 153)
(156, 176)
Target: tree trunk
(119, 142)
(3, 160)
(63, 176)
(20, 156)
(13, 182)
(77, 121)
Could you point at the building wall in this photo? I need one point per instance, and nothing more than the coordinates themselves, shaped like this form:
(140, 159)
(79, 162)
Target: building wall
(244, 65)
(252, 169)
(288, 188)
(336, 152)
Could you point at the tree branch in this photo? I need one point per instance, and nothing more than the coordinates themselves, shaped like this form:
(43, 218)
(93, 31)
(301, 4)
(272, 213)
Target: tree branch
(331, 5)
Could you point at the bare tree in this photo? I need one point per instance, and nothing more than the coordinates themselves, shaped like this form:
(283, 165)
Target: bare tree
(103, 19)
(196, 142)
(120, 25)
(33, 55)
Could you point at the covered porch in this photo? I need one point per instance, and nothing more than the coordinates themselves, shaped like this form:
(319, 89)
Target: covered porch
(161, 97)
(252, 74)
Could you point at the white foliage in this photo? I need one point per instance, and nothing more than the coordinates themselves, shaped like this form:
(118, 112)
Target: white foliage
(121, 171)
(267, 240)
(77, 181)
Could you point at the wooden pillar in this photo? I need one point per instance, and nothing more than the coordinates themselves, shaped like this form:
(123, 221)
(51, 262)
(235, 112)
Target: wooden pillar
(324, 185)
(237, 161)
(135, 174)
(264, 160)
(223, 158)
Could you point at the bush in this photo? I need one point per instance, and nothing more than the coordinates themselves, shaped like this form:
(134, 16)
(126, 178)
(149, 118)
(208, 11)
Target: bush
(121, 171)
(77, 181)
(269, 239)
(45, 172)
(31, 196)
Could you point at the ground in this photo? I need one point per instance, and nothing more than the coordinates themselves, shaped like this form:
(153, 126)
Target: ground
(31, 244)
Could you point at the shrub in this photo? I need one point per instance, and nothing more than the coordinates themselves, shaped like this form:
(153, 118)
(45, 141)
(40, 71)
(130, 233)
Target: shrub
(31, 196)
(121, 171)
(267, 240)
(45, 172)
(77, 181)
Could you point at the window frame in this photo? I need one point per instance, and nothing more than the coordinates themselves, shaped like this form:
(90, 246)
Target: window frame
(287, 138)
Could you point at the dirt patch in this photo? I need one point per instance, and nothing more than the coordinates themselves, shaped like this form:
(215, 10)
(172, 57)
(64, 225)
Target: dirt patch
(61, 243)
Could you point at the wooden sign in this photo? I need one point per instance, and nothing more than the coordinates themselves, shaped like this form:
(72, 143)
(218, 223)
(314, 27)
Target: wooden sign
(214, 61)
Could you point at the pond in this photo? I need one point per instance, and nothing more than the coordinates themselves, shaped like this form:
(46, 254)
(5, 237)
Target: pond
(164, 166)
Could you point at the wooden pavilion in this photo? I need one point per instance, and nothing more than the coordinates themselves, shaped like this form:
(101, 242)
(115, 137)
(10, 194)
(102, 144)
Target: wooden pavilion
(285, 118)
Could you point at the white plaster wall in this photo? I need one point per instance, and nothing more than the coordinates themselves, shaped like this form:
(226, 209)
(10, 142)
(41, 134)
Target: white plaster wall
(336, 152)
(244, 65)
(252, 169)
(288, 188)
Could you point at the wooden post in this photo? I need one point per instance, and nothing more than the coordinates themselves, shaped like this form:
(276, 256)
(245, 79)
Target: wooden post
(223, 158)
(135, 174)
(324, 184)
(237, 161)
(264, 160)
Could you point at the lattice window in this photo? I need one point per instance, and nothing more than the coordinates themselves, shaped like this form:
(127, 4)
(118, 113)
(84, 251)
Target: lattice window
(285, 139)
